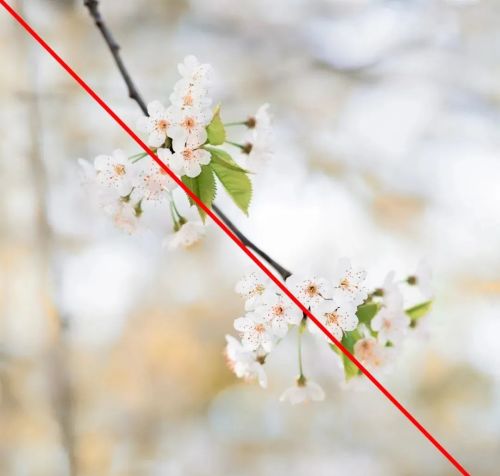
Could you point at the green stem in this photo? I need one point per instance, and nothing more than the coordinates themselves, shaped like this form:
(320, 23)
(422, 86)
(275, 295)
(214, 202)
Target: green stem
(235, 144)
(172, 201)
(174, 218)
(135, 158)
(241, 123)
(178, 219)
(299, 346)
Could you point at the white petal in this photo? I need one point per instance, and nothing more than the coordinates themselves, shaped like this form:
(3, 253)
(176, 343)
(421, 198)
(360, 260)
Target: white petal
(144, 124)
(192, 168)
(280, 328)
(156, 138)
(178, 144)
(316, 393)
(164, 155)
(203, 156)
(101, 162)
(250, 341)
(155, 108)
(348, 320)
(199, 135)
(243, 324)
(178, 134)
(336, 331)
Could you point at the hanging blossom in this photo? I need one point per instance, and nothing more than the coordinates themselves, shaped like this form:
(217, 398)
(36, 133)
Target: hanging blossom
(260, 138)
(303, 392)
(372, 325)
(244, 363)
(188, 234)
(391, 323)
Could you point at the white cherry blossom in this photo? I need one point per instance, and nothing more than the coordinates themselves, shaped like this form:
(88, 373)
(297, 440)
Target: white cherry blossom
(189, 125)
(262, 120)
(244, 363)
(371, 353)
(187, 159)
(392, 294)
(153, 182)
(304, 391)
(193, 71)
(103, 195)
(256, 332)
(309, 291)
(187, 236)
(255, 289)
(115, 172)
(260, 138)
(124, 215)
(391, 323)
(338, 319)
(157, 124)
(191, 91)
(349, 283)
(280, 311)
(187, 96)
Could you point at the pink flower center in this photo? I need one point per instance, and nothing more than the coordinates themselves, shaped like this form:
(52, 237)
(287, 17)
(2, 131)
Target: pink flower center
(345, 284)
(119, 169)
(278, 310)
(311, 290)
(162, 124)
(332, 318)
(189, 123)
(260, 328)
(188, 154)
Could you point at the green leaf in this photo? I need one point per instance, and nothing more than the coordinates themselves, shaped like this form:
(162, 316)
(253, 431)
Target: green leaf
(216, 133)
(221, 157)
(366, 312)
(418, 311)
(236, 183)
(348, 340)
(203, 186)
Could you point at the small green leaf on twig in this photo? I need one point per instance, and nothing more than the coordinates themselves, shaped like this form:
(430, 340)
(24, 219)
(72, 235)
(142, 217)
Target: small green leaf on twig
(216, 133)
(233, 178)
(203, 186)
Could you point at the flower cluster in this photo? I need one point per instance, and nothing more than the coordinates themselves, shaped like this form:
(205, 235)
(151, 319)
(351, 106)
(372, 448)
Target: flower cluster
(371, 325)
(188, 137)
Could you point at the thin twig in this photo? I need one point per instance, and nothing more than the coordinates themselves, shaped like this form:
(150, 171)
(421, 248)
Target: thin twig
(114, 47)
(93, 7)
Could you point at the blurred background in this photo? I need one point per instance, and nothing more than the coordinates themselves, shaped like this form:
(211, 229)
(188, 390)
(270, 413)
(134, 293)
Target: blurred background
(388, 150)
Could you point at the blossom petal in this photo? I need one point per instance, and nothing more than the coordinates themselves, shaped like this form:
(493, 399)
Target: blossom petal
(192, 168)
(155, 108)
(156, 138)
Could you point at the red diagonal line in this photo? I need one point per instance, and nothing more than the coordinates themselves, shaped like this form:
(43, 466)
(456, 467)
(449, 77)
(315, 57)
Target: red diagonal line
(233, 237)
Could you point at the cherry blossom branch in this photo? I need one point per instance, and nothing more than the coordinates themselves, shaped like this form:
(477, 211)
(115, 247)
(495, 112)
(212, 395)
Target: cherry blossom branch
(114, 47)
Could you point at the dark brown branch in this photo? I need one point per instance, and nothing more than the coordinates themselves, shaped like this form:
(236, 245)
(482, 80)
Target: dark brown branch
(284, 273)
(114, 47)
